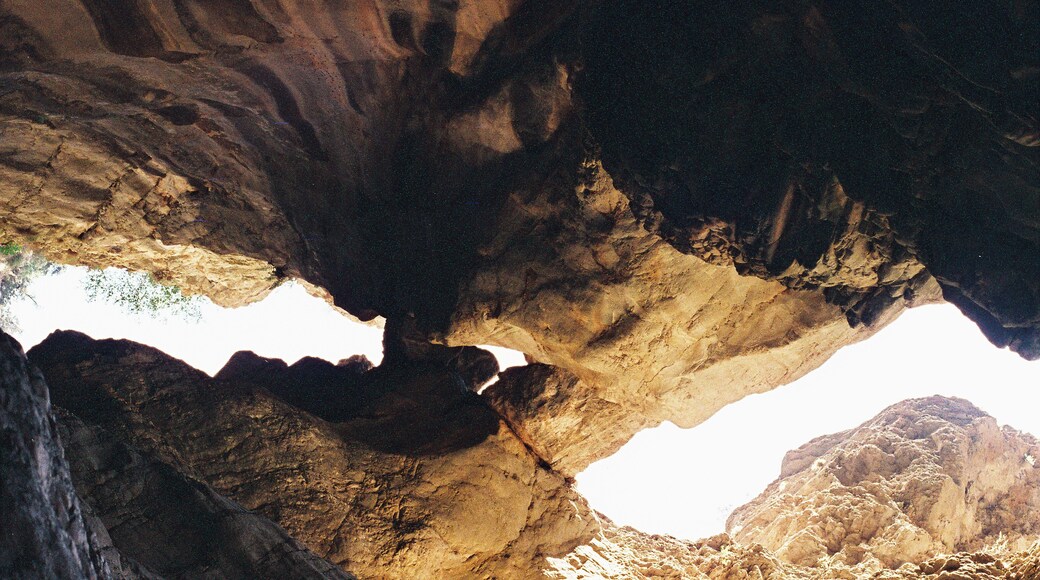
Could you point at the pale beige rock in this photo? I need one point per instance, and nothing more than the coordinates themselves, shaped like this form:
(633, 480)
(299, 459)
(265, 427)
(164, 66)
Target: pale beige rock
(924, 477)
(628, 554)
(650, 333)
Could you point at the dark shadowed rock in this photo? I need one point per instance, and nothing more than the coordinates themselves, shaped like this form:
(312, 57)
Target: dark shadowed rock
(42, 529)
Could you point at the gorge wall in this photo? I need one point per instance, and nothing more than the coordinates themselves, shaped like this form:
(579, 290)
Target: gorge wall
(181, 475)
(666, 206)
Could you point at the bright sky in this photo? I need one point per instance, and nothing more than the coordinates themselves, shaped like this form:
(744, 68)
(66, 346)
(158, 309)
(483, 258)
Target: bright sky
(685, 482)
(289, 324)
(666, 480)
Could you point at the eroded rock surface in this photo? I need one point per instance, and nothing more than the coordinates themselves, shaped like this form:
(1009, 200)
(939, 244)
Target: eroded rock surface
(628, 554)
(833, 145)
(668, 205)
(372, 148)
(676, 233)
(926, 476)
(651, 333)
(488, 509)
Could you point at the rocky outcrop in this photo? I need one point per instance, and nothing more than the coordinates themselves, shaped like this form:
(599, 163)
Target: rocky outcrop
(930, 488)
(924, 477)
(370, 148)
(667, 205)
(833, 145)
(161, 453)
(560, 417)
(351, 491)
(641, 332)
(44, 534)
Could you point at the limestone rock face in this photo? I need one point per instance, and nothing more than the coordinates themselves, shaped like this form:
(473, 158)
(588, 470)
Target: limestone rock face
(488, 508)
(225, 146)
(924, 477)
(930, 488)
(44, 533)
(372, 148)
(560, 417)
(669, 206)
(545, 175)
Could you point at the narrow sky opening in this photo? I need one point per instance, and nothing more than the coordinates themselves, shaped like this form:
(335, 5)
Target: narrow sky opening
(289, 324)
(685, 482)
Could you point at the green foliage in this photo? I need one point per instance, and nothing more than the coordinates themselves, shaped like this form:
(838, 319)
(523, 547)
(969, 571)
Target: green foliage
(140, 294)
(19, 267)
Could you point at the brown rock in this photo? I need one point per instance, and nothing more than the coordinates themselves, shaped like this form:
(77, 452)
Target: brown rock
(163, 524)
(651, 334)
(487, 509)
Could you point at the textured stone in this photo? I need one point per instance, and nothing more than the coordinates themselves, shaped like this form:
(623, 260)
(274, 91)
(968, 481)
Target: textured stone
(670, 205)
(489, 508)
(930, 488)
(628, 554)
(42, 529)
(370, 148)
(651, 333)
(924, 477)
(162, 524)
(544, 175)
(833, 145)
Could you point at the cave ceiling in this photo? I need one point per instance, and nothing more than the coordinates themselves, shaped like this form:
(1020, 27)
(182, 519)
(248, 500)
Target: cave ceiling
(671, 206)
(667, 206)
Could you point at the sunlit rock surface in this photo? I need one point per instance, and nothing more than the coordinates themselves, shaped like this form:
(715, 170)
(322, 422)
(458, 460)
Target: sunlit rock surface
(372, 148)
(628, 554)
(483, 507)
(650, 334)
(925, 476)
(930, 488)
(669, 206)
